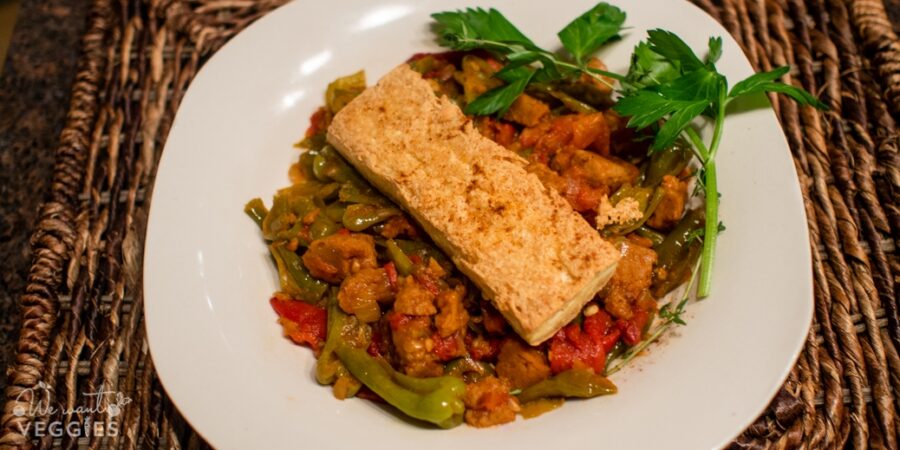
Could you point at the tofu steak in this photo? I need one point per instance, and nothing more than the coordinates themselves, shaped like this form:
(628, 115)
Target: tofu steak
(532, 256)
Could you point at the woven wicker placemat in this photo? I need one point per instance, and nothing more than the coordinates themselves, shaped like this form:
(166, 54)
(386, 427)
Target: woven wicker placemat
(82, 326)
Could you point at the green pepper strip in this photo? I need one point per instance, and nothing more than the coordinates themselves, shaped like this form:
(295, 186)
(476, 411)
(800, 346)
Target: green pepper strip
(571, 383)
(670, 161)
(425, 250)
(359, 216)
(329, 166)
(680, 271)
(402, 262)
(335, 211)
(675, 244)
(468, 369)
(648, 199)
(328, 192)
(437, 400)
(649, 233)
(678, 252)
(257, 211)
(323, 226)
(311, 288)
(328, 367)
(567, 100)
(274, 222)
(351, 192)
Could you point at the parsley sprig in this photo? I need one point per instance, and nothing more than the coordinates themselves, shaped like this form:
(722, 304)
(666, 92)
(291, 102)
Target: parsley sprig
(668, 87)
(479, 29)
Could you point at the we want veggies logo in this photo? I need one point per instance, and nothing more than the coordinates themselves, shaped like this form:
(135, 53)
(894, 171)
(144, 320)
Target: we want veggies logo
(75, 422)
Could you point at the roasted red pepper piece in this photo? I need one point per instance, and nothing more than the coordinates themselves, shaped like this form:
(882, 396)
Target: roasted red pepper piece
(585, 346)
(303, 323)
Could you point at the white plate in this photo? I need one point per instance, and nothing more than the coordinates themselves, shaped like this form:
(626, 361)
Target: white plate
(215, 341)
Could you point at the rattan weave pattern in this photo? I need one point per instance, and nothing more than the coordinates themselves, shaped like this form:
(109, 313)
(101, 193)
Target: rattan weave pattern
(82, 326)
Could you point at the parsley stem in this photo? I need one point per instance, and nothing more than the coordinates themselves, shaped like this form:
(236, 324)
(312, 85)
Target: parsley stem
(699, 147)
(711, 229)
(596, 74)
(720, 123)
(591, 72)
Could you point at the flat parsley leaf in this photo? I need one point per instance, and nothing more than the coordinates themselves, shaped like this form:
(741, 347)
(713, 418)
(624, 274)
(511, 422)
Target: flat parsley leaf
(767, 82)
(715, 51)
(499, 99)
(589, 31)
(647, 68)
(647, 107)
(681, 99)
(463, 30)
(675, 50)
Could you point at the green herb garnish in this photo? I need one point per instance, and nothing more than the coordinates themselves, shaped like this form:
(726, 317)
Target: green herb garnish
(479, 29)
(668, 87)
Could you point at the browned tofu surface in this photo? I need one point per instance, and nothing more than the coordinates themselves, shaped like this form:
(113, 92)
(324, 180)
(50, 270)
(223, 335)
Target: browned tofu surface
(533, 256)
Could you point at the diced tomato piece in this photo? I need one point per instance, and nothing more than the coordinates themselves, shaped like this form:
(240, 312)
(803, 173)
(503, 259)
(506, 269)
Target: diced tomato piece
(396, 320)
(343, 231)
(631, 335)
(446, 348)
(585, 346)
(562, 353)
(379, 344)
(427, 282)
(391, 270)
(640, 318)
(303, 323)
(597, 325)
(579, 192)
(609, 341)
(506, 134)
(416, 259)
(633, 329)
(493, 322)
(483, 349)
(318, 122)
(500, 132)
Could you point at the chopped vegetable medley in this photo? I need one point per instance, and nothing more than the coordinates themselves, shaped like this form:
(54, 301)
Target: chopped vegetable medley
(386, 313)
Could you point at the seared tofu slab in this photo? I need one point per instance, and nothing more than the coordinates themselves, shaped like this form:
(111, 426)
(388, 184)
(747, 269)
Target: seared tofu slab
(521, 243)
